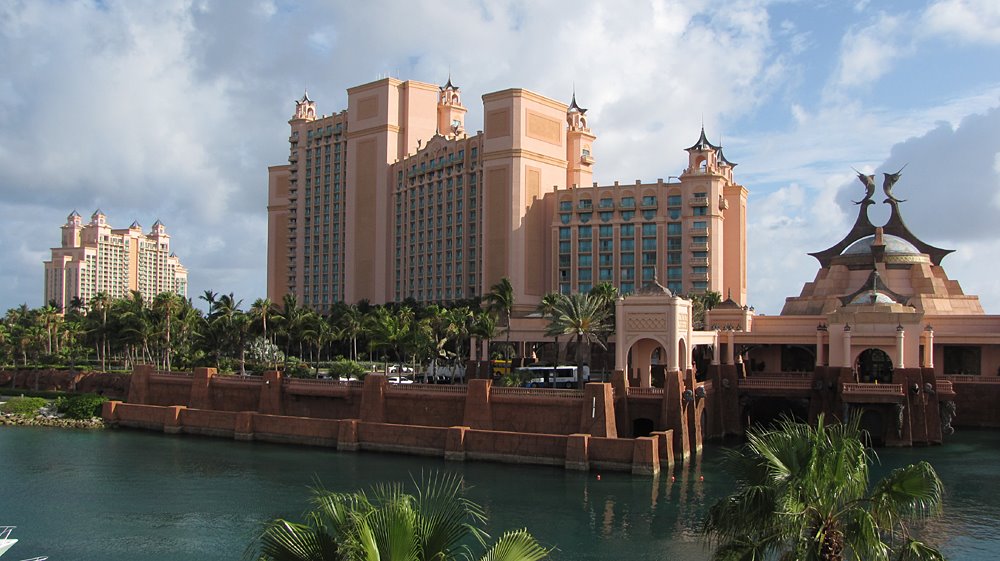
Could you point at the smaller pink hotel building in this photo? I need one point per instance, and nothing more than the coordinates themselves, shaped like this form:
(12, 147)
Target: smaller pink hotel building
(96, 258)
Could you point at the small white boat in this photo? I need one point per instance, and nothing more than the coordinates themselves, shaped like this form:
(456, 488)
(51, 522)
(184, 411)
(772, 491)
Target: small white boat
(7, 542)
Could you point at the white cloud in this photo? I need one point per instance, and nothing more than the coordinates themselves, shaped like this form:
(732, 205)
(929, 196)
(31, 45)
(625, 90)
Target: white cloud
(867, 53)
(973, 21)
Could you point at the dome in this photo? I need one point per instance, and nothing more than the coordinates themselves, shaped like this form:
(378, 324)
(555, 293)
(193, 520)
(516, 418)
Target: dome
(893, 245)
(869, 297)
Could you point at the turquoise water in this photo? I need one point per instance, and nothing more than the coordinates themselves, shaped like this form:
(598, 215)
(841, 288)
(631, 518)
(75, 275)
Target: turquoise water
(141, 496)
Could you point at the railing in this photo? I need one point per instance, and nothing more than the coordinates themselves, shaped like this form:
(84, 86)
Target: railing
(698, 201)
(330, 382)
(774, 384)
(238, 380)
(874, 389)
(945, 387)
(654, 392)
(537, 392)
(966, 378)
(434, 388)
(174, 374)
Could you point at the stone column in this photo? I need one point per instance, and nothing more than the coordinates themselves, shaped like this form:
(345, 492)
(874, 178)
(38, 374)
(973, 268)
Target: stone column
(716, 351)
(730, 346)
(819, 345)
(846, 363)
(929, 347)
(900, 362)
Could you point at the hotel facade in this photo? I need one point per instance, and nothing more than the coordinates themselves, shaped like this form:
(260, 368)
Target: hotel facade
(96, 258)
(392, 198)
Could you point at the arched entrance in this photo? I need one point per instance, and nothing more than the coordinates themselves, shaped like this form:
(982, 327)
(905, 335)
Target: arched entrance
(642, 427)
(874, 366)
(872, 425)
(645, 360)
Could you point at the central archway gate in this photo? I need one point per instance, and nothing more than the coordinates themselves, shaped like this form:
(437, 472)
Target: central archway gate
(653, 356)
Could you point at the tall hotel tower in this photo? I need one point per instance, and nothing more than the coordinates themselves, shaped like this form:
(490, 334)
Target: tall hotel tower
(392, 199)
(96, 258)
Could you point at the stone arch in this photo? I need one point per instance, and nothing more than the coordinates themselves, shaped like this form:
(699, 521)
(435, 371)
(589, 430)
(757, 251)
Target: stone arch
(639, 365)
(683, 360)
(873, 426)
(642, 427)
(874, 364)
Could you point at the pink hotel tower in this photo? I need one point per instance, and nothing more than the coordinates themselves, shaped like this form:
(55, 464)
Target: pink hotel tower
(392, 198)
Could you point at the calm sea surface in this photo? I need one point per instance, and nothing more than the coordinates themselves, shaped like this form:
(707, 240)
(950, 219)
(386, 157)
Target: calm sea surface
(141, 496)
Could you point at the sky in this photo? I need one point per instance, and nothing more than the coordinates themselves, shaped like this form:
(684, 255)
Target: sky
(173, 110)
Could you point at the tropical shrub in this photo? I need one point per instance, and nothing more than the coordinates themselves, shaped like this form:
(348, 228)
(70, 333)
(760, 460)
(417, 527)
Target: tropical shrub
(23, 406)
(347, 369)
(436, 523)
(82, 406)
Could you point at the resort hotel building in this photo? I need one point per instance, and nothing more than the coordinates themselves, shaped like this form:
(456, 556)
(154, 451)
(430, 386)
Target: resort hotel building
(96, 258)
(393, 198)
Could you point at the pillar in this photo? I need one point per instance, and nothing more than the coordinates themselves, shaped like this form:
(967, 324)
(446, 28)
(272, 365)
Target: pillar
(270, 402)
(929, 347)
(598, 415)
(577, 452)
(899, 347)
(730, 346)
(819, 345)
(201, 388)
(478, 411)
(645, 456)
(846, 363)
(138, 386)
(373, 398)
(454, 446)
(716, 351)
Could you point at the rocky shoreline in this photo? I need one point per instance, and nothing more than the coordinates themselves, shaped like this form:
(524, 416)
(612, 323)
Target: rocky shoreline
(9, 419)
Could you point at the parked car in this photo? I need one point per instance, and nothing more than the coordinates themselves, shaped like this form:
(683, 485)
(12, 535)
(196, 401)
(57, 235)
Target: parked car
(400, 380)
(396, 368)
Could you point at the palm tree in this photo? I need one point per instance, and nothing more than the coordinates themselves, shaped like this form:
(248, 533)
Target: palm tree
(803, 493)
(500, 301)
(436, 523)
(585, 318)
(547, 308)
(165, 305)
(99, 305)
(261, 309)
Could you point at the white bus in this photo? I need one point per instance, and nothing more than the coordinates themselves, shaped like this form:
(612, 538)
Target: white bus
(548, 376)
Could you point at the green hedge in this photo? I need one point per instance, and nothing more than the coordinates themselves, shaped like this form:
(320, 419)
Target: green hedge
(82, 406)
(24, 406)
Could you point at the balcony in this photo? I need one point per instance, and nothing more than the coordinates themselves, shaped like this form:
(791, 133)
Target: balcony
(698, 247)
(699, 231)
(698, 201)
(699, 276)
(872, 393)
(699, 261)
(587, 159)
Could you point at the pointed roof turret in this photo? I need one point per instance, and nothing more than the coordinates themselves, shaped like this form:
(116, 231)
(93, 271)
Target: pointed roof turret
(135, 225)
(723, 160)
(449, 85)
(157, 223)
(703, 143)
(97, 213)
(305, 96)
(74, 214)
(574, 106)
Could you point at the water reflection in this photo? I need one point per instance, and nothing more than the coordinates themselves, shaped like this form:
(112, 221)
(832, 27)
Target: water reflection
(209, 496)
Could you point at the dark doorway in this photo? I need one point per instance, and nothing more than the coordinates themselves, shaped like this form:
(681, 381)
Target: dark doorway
(874, 366)
(766, 411)
(642, 427)
(873, 428)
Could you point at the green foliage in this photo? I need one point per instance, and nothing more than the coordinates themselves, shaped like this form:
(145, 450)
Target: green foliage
(347, 369)
(23, 406)
(803, 493)
(295, 368)
(82, 406)
(434, 523)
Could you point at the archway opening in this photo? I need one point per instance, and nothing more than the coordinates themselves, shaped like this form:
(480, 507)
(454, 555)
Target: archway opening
(874, 367)
(642, 427)
(872, 425)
